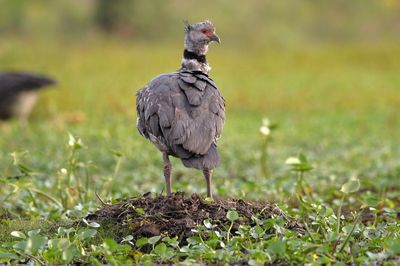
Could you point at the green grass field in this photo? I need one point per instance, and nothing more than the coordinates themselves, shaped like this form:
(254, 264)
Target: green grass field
(336, 104)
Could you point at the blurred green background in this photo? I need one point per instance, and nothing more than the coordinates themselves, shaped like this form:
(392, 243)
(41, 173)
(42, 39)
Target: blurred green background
(327, 72)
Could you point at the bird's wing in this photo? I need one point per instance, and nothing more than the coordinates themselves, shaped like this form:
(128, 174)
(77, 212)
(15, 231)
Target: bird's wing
(14, 82)
(183, 110)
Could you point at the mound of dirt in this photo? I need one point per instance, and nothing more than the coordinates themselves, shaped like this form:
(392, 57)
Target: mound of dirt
(178, 214)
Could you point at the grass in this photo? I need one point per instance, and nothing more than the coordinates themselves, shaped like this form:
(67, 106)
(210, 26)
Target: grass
(337, 104)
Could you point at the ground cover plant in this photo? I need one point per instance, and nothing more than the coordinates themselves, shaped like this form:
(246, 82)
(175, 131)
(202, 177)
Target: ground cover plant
(322, 172)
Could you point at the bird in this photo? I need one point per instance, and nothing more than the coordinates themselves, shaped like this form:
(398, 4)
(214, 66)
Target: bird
(183, 113)
(18, 93)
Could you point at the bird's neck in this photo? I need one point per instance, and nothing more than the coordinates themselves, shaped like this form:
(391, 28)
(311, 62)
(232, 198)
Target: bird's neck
(195, 61)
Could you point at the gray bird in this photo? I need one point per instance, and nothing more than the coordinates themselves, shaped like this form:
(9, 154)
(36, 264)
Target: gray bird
(182, 113)
(18, 93)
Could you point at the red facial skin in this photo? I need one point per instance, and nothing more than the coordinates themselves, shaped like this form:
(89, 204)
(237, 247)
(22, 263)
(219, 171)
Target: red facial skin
(207, 33)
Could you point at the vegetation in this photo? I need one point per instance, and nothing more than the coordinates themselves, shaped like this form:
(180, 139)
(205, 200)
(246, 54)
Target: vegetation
(337, 106)
(310, 157)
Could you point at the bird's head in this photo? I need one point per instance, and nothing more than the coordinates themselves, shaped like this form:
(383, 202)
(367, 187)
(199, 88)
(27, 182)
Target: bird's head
(199, 35)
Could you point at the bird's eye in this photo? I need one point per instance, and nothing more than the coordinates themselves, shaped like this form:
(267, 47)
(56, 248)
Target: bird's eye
(204, 31)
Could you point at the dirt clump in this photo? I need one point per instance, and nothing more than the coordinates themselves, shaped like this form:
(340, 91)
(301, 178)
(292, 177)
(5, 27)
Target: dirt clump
(178, 214)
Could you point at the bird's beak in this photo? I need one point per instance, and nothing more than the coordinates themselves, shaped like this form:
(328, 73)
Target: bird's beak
(215, 38)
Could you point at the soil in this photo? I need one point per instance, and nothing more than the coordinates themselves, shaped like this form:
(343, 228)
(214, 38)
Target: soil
(178, 214)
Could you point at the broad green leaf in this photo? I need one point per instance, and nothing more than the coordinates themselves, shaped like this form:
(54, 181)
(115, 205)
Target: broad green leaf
(353, 185)
(207, 224)
(232, 215)
(36, 242)
(394, 246)
(256, 231)
(184, 249)
(94, 225)
(7, 256)
(61, 230)
(127, 238)
(59, 243)
(69, 254)
(277, 247)
(141, 242)
(160, 249)
(303, 158)
(171, 241)
(370, 199)
(33, 232)
(153, 240)
(18, 234)
(110, 244)
(21, 245)
(88, 233)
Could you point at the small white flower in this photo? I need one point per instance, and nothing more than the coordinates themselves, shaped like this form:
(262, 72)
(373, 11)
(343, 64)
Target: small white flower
(265, 130)
(63, 171)
(292, 161)
(71, 140)
(74, 141)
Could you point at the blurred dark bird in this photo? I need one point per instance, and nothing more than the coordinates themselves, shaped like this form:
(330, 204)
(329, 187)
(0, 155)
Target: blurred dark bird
(18, 93)
(182, 113)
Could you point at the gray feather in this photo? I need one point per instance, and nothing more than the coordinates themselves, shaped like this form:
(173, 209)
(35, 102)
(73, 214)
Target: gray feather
(183, 113)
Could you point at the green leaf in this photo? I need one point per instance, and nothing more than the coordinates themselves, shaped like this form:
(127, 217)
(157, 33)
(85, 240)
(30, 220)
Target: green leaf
(394, 246)
(88, 233)
(171, 241)
(127, 238)
(69, 254)
(94, 225)
(160, 249)
(110, 244)
(185, 249)
(353, 185)
(36, 242)
(303, 157)
(18, 234)
(153, 240)
(59, 243)
(24, 169)
(34, 232)
(299, 164)
(232, 215)
(21, 245)
(207, 224)
(370, 199)
(139, 211)
(141, 242)
(277, 247)
(256, 231)
(7, 256)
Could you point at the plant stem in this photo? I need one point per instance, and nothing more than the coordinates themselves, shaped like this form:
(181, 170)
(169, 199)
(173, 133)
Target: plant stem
(350, 233)
(339, 214)
(87, 185)
(229, 232)
(264, 158)
(43, 194)
(308, 231)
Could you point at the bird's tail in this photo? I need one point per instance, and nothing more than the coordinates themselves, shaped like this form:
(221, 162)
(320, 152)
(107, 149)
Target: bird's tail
(208, 161)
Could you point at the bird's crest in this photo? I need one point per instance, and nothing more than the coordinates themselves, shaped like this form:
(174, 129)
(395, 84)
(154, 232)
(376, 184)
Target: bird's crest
(188, 27)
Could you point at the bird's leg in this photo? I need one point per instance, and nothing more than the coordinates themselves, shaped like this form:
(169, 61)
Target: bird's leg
(208, 174)
(167, 172)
